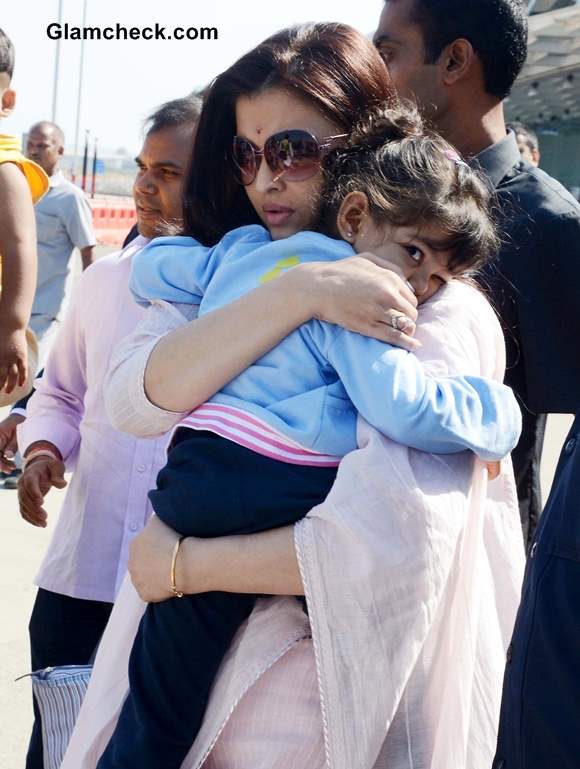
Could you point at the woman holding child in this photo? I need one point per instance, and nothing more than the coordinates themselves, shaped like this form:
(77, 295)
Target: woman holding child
(409, 604)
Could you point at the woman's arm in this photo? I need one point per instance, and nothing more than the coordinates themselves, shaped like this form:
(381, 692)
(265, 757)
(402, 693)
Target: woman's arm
(248, 563)
(193, 362)
(267, 562)
(128, 408)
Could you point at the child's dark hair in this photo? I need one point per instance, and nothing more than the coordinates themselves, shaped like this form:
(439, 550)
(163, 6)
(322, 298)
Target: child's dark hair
(411, 176)
(6, 54)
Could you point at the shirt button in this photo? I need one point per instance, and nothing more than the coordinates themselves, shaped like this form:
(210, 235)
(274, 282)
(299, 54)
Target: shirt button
(133, 526)
(141, 469)
(570, 446)
(509, 654)
(499, 764)
(533, 550)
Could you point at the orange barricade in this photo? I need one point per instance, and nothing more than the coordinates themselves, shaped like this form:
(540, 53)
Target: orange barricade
(113, 217)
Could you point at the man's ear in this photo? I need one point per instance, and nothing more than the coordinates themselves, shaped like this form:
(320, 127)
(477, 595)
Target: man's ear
(353, 212)
(456, 61)
(8, 102)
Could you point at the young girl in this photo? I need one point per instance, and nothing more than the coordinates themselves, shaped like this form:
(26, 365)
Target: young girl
(264, 450)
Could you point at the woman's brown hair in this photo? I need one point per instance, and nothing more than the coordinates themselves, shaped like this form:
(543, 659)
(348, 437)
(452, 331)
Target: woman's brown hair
(332, 66)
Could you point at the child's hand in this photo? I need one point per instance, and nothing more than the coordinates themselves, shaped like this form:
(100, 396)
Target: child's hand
(8, 445)
(13, 359)
(37, 479)
(493, 470)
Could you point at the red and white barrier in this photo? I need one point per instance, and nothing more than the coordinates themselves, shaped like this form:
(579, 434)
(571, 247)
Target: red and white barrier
(113, 217)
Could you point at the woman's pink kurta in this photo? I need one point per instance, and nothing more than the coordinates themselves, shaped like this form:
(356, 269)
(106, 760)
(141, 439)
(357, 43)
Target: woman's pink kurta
(412, 569)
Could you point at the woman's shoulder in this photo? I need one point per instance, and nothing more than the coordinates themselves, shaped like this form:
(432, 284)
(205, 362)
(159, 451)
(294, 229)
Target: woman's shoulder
(461, 299)
(460, 320)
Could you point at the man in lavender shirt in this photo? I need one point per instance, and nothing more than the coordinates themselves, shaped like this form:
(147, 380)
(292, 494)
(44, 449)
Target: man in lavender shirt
(66, 428)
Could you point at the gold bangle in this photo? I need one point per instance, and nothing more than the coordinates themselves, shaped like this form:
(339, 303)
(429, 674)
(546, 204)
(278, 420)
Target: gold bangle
(172, 585)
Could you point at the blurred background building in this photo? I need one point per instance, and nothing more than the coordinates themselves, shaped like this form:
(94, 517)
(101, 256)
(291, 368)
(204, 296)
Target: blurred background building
(546, 96)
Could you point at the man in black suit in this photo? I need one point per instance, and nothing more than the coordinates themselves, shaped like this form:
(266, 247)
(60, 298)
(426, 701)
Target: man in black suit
(540, 710)
(459, 60)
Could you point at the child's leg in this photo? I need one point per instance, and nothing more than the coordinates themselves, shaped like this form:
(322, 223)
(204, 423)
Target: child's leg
(209, 487)
(177, 652)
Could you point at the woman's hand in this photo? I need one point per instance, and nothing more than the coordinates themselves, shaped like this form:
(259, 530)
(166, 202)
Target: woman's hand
(245, 563)
(358, 294)
(150, 555)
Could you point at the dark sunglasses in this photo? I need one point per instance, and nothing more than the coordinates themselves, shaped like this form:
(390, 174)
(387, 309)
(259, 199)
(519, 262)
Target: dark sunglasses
(295, 154)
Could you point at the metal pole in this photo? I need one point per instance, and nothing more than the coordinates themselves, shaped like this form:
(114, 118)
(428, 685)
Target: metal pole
(56, 67)
(80, 94)
(85, 161)
(93, 180)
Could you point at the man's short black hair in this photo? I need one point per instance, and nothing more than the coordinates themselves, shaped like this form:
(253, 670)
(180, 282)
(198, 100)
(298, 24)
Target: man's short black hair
(529, 137)
(497, 30)
(44, 125)
(6, 54)
(174, 113)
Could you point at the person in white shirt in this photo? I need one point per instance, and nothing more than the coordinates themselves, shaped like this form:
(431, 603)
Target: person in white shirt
(63, 223)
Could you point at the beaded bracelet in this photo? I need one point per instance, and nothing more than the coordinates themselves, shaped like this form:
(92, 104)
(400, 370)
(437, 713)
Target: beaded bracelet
(39, 453)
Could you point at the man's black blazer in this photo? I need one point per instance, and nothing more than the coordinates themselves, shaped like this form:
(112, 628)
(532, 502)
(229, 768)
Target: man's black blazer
(535, 282)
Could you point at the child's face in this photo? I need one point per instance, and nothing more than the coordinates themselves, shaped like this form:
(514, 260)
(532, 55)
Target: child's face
(412, 252)
(409, 251)
(7, 96)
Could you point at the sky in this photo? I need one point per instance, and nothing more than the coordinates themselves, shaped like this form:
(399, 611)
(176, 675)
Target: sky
(123, 81)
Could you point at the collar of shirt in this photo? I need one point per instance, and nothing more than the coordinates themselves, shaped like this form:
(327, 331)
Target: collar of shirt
(497, 159)
(133, 246)
(56, 179)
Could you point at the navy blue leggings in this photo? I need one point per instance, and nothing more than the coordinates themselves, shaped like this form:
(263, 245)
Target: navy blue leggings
(210, 487)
